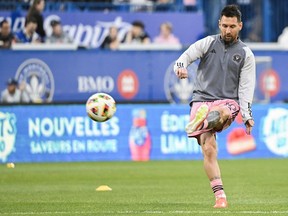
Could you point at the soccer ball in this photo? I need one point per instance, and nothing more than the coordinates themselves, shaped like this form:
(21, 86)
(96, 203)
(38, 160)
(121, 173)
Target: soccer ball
(100, 107)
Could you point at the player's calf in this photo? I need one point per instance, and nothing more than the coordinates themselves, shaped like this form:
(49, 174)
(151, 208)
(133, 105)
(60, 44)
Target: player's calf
(213, 119)
(216, 118)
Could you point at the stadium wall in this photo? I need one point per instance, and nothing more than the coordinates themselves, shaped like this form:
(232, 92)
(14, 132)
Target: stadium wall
(129, 76)
(89, 29)
(63, 133)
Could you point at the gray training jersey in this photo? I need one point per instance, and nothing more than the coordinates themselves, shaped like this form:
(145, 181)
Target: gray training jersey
(224, 72)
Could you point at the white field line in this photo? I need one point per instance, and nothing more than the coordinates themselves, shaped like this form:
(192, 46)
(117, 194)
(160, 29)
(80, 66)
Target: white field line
(146, 212)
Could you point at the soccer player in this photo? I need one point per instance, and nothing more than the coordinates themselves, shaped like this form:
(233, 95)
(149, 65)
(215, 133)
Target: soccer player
(224, 85)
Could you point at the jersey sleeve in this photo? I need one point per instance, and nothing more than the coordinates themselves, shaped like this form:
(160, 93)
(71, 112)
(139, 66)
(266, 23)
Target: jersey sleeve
(247, 85)
(194, 52)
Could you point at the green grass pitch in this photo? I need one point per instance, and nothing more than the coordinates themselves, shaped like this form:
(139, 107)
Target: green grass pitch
(253, 187)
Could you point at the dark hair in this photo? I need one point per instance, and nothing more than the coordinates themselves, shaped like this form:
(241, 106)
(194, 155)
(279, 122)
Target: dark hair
(2, 22)
(12, 81)
(30, 20)
(33, 5)
(138, 24)
(231, 11)
(32, 9)
(54, 23)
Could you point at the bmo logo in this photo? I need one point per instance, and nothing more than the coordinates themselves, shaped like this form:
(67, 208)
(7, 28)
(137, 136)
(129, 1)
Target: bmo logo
(95, 84)
(128, 84)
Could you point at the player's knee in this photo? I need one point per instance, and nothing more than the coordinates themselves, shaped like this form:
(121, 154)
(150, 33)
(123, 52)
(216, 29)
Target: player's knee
(225, 113)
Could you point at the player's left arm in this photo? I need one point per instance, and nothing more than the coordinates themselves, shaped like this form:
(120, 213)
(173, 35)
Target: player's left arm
(246, 89)
(194, 52)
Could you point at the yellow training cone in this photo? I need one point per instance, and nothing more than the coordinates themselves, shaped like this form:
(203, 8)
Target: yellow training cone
(10, 165)
(103, 188)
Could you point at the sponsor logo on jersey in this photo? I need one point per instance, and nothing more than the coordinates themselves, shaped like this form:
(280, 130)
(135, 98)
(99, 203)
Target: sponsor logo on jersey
(179, 90)
(37, 79)
(7, 134)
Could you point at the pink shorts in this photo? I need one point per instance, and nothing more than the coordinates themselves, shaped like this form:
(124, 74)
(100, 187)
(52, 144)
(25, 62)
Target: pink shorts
(232, 106)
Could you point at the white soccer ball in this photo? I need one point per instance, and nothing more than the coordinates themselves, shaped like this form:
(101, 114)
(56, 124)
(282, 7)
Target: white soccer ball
(100, 107)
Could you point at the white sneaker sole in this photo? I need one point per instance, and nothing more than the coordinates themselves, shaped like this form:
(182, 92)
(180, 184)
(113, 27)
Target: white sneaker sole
(200, 116)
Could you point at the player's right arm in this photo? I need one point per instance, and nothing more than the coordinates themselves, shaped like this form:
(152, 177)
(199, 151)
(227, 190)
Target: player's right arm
(194, 52)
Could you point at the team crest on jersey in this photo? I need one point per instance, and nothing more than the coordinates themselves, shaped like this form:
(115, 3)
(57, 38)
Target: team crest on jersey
(237, 58)
(37, 79)
(179, 90)
(7, 134)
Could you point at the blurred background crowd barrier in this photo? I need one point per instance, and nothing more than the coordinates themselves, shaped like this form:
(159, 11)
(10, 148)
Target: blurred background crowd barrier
(264, 20)
(132, 71)
(138, 75)
(129, 76)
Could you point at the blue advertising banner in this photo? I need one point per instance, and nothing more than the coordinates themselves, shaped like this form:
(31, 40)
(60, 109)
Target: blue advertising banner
(65, 76)
(74, 76)
(50, 133)
(89, 29)
(272, 74)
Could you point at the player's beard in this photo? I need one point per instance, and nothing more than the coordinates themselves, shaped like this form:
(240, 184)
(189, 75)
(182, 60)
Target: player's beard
(228, 39)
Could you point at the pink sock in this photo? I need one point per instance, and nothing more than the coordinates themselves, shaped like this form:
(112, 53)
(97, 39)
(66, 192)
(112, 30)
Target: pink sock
(217, 188)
